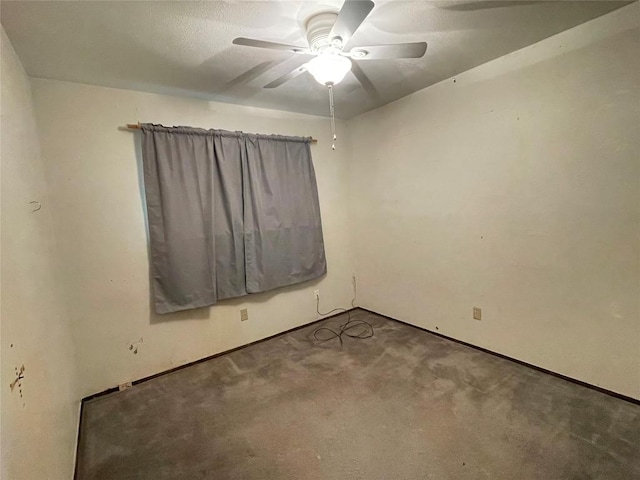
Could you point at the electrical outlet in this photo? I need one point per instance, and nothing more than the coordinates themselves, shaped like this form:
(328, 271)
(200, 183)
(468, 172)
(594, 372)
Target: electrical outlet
(316, 294)
(477, 313)
(244, 314)
(124, 386)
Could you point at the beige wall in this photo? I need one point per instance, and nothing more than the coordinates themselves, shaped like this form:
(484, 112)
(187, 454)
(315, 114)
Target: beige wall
(515, 188)
(39, 429)
(93, 174)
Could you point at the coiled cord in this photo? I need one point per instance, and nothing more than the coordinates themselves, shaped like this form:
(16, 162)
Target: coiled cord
(360, 329)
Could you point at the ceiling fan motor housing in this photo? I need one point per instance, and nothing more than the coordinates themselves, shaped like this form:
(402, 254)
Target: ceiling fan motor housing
(318, 28)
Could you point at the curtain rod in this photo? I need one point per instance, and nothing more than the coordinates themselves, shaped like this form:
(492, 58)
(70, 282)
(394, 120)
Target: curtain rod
(136, 126)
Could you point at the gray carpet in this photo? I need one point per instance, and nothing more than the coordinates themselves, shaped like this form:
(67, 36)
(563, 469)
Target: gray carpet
(404, 404)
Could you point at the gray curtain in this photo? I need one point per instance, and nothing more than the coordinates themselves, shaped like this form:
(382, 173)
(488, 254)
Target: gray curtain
(228, 214)
(283, 233)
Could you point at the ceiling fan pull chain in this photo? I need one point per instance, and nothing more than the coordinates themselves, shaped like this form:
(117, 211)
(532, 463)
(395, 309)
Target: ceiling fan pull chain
(333, 117)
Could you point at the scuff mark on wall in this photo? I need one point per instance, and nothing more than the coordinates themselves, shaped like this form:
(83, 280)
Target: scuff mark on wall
(133, 347)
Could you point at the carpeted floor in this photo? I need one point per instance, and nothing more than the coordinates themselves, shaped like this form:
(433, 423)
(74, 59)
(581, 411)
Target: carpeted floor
(404, 404)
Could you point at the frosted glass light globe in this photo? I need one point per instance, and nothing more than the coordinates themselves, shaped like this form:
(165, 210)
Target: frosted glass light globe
(329, 68)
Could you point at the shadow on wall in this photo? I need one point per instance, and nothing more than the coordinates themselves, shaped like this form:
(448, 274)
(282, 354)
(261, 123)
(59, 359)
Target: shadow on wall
(204, 313)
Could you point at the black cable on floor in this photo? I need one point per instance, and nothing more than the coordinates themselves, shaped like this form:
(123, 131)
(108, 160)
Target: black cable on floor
(363, 329)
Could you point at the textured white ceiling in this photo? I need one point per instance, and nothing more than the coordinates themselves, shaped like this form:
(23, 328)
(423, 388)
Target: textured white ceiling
(185, 48)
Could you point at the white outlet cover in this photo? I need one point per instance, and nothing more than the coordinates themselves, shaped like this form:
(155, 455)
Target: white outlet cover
(124, 386)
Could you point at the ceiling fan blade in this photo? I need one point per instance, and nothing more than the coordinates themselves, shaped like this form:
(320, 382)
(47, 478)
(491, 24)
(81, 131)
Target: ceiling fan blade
(250, 42)
(351, 16)
(365, 82)
(255, 72)
(397, 50)
(285, 78)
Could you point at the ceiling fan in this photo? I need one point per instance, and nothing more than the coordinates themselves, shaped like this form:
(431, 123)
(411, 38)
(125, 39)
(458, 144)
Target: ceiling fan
(328, 33)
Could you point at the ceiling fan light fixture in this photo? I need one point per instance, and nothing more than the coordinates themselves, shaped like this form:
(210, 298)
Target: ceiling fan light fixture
(329, 69)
